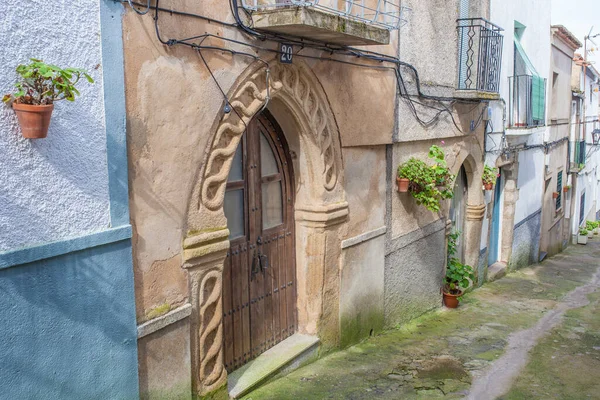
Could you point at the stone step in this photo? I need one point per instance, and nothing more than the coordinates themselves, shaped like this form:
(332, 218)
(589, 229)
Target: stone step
(279, 360)
(496, 271)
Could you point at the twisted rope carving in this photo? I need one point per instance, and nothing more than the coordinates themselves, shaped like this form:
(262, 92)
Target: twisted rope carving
(247, 101)
(211, 375)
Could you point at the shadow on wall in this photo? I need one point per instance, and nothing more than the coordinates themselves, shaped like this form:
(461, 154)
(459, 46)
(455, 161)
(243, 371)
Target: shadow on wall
(69, 328)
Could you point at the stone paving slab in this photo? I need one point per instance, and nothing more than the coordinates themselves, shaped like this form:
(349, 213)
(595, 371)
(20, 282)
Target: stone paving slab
(441, 353)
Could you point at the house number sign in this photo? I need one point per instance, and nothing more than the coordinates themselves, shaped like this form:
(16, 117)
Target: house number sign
(286, 51)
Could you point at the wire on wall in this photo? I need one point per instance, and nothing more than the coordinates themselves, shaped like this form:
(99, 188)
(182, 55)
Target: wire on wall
(364, 58)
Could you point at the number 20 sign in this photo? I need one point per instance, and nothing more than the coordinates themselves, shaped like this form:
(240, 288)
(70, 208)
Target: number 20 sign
(286, 51)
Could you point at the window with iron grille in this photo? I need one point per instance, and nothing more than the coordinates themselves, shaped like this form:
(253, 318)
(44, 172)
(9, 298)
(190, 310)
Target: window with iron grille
(559, 190)
(581, 208)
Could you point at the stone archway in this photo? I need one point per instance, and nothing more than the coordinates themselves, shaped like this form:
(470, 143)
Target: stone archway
(320, 208)
(475, 207)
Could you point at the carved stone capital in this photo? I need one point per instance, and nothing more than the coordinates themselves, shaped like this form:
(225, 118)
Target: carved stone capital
(201, 249)
(475, 213)
(322, 216)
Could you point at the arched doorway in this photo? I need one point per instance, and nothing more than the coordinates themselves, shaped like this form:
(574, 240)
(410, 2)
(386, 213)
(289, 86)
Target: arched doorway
(458, 210)
(259, 274)
(319, 214)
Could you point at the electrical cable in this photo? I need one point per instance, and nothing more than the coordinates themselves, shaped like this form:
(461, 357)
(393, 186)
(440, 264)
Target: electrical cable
(345, 50)
(138, 11)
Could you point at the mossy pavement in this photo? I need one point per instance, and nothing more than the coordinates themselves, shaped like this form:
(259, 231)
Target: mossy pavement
(440, 353)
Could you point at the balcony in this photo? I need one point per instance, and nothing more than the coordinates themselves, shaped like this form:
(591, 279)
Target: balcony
(341, 22)
(527, 101)
(479, 59)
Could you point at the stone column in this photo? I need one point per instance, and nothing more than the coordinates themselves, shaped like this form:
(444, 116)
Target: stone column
(473, 225)
(204, 255)
(318, 270)
(511, 195)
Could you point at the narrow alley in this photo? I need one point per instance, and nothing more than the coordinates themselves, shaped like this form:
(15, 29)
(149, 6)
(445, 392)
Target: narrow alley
(479, 350)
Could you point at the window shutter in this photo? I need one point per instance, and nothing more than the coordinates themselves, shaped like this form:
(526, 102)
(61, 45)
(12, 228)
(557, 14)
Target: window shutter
(538, 98)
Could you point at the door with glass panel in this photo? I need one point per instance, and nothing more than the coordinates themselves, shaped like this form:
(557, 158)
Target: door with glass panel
(259, 276)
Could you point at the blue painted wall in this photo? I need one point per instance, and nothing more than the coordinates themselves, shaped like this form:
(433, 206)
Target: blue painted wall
(68, 327)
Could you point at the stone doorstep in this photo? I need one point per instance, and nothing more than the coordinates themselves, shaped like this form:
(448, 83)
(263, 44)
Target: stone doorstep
(272, 361)
(496, 271)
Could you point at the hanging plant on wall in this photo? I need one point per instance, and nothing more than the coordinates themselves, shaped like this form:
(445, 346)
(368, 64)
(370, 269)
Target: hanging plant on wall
(490, 174)
(427, 184)
(41, 85)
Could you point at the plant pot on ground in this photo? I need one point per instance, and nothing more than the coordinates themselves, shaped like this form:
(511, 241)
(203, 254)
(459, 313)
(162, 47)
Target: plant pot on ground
(582, 238)
(41, 85)
(459, 276)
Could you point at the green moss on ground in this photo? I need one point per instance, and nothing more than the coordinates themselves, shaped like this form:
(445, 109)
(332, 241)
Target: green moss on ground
(566, 363)
(436, 354)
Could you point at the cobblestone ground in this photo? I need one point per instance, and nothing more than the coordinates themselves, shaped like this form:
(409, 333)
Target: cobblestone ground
(533, 334)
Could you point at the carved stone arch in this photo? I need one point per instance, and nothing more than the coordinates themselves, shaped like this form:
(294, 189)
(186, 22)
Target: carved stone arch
(297, 89)
(475, 208)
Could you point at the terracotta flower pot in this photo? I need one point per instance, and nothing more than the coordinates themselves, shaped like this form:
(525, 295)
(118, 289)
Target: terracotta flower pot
(34, 120)
(488, 186)
(555, 195)
(451, 300)
(402, 184)
(565, 189)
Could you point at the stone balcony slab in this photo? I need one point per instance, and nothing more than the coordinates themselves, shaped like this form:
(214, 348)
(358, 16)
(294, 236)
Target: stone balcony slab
(308, 23)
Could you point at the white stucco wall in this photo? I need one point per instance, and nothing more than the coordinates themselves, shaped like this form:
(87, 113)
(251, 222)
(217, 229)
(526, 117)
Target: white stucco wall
(56, 187)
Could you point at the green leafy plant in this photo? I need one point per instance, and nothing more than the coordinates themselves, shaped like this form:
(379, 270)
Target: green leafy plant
(591, 225)
(43, 84)
(490, 174)
(429, 184)
(458, 275)
(583, 232)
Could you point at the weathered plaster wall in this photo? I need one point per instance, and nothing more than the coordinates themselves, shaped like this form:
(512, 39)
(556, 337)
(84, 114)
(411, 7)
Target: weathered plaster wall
(68, 327)
(526, 241)
(165, 363)
(56, 187)
(414, 270)
(362, 291)
(365, 180)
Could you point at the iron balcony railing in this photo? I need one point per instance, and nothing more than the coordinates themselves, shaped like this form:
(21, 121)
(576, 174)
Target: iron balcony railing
(479, 55)
(527, 101)
(388, 14)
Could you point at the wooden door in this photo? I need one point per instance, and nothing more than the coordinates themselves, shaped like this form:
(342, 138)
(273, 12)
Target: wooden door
(259, 276)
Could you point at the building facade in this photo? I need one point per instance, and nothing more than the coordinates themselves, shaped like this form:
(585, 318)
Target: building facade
(235, 190)
(66, 275)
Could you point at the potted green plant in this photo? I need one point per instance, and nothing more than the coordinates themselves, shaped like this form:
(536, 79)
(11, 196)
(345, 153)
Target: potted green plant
(427, 184)
(41, 85)
(459, 276)
(490, 174)
(555, 195)
(590, 226)
(582, 238)
(566, 188)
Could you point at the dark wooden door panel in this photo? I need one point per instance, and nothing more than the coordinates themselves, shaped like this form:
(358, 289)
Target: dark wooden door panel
(259, 299)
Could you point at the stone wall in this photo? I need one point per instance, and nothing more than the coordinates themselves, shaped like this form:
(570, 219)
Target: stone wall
(526, 241)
